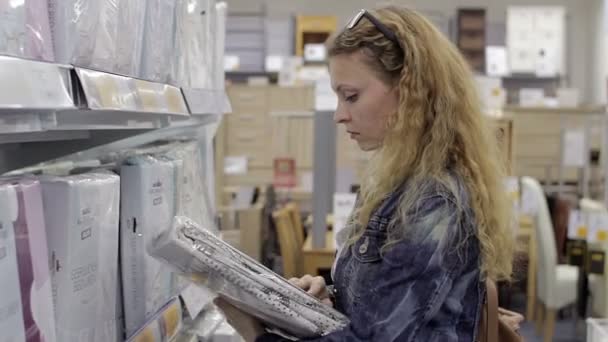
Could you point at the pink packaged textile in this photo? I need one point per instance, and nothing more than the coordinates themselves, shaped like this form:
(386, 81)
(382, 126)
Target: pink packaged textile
(39, 44)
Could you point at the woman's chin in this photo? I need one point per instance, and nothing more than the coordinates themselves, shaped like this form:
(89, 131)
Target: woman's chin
(368, 145)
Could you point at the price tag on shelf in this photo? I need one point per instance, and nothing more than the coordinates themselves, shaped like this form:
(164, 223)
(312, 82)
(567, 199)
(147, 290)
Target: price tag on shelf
(149, 98)
(175, 100)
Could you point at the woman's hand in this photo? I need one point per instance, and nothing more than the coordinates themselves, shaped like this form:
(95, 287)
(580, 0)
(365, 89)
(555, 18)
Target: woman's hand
(315, 286)
(247, 326)
(513, 319)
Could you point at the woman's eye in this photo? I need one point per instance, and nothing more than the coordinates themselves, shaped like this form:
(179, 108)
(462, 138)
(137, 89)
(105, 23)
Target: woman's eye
(352, 98)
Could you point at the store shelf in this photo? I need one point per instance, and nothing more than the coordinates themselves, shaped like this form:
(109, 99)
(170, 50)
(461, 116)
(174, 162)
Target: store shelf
(38, 97)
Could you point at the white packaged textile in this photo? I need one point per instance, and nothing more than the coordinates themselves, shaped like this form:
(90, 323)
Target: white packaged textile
(147, 208)
(74, 28)
(81, 215)
(208, 261)
(12, 28)
(130, 37)
(158, 44)
(193, 50)
(104, 54)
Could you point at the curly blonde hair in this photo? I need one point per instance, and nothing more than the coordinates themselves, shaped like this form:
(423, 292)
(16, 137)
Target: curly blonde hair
(438, 126)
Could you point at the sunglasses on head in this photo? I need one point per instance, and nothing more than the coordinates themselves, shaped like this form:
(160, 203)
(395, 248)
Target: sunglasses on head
(379, 25)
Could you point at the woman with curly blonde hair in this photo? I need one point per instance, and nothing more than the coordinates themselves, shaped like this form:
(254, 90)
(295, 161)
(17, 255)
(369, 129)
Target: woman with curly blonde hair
(432, 220)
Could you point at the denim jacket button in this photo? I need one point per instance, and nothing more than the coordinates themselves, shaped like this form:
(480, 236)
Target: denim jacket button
(363, 247)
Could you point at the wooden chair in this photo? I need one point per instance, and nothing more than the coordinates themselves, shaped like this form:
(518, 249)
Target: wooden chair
(296, 219)
(291, 251)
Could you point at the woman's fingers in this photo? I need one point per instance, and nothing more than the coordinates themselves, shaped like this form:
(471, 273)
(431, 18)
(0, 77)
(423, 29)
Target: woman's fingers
(317, 287)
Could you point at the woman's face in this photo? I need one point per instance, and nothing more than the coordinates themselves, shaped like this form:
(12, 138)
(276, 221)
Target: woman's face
(364, 100)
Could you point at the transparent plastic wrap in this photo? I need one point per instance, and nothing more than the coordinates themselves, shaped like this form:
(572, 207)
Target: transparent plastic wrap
(22, 213)
(147, 208)
(81, 213)
(221, 12)
(158, 42)
(12, 28)
(163, 326)
(193, 54)
(74, 27)
(197, 254)
(104, 54)
(194, 201)
(39, 44)
(129, 41)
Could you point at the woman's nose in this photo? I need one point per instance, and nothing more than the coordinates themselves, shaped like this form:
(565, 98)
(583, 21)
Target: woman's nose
(341, 115)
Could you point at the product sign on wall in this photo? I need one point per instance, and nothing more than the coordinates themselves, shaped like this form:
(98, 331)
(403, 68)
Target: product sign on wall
(535, 39)
(284, 172)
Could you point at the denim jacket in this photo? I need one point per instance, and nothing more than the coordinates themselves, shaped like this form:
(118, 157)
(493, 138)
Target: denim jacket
(426, 287)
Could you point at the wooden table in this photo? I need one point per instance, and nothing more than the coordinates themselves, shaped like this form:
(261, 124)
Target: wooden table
(315, 259)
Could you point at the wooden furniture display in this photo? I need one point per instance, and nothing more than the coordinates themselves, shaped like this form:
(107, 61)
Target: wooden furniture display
(267, 122)
(313, 29)
(296, 221)
(242, 228)
(316, 259)
(291, 252)
(537, 134)
(472, 36)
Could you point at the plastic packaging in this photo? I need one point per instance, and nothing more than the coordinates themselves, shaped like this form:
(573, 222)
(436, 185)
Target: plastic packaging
(11, 325)
(163, 326)
(104, 54)
(12, 28)
(193, 51)
(197, 254)
(39, 43)
(36, 301)
(158, 44)
(221, 12)
(147, 208)
(74, 27)
(81, 213)
(130, 36)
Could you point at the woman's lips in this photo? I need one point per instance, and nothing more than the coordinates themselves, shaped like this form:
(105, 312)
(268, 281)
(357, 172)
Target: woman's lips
(352, 134)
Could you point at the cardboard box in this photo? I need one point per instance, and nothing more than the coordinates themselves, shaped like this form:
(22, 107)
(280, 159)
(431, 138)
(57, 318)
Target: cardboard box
(81, 213)
(147, 208)
(242, 228)
(11, 314)
(35, 303)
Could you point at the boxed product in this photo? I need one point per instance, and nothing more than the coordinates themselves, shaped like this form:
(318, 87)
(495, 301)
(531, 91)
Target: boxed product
(192, 43)
(74, 26)
(11, 314)
(221, 13)
(12, 28)
(193, 201)
(129, 39)
(163, 326)
(81, 213)
(147, 208)
(104, 53)
(158, 43)
(39, 44)
(35, 302)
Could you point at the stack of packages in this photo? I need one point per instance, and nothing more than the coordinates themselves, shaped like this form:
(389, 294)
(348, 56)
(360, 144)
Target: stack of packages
(65, 273)
(200, 256)
(168, 41)
(25, 29)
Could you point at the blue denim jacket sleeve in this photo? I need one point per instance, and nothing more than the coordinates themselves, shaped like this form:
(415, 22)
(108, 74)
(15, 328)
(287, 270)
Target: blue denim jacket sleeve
(424, 288)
